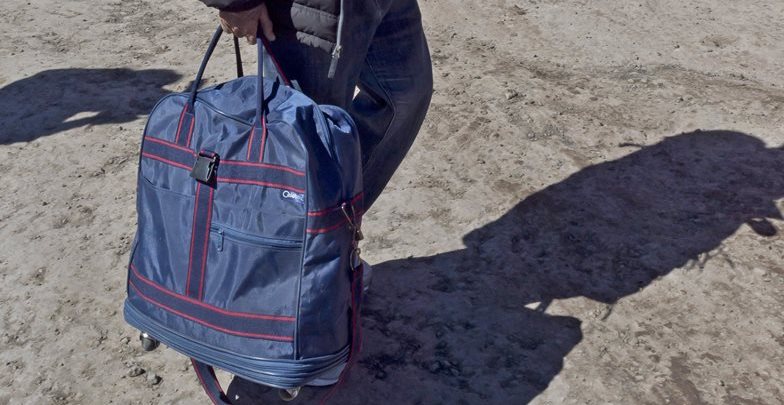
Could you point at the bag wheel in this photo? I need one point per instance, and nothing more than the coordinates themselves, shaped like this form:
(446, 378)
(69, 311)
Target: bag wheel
(148, 343)
(288, 394)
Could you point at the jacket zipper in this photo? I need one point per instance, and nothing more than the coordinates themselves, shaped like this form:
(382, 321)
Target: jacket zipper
(338, 48)
(238, 236)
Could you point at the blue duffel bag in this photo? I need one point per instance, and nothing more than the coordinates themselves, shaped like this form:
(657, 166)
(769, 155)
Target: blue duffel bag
(249, 205)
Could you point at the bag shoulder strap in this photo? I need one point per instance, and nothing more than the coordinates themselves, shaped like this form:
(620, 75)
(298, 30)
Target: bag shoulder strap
(209, 382)
(211, 386)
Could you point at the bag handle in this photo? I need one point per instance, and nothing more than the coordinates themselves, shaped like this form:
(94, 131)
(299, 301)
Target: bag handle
(263, 48)
(209, 382)
(237, 56)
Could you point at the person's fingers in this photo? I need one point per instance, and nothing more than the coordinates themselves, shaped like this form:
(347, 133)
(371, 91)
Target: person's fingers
(225, 26)
(266, 23)
(249, 30)
(244, 24)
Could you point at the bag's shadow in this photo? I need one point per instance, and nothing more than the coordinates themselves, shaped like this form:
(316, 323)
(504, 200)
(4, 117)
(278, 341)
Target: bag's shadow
(470, 326)
(61, 99)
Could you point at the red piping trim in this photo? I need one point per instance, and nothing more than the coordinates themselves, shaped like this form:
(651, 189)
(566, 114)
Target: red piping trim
(226, 179)
(193, 232)
(167, 143)
(190, 130)
(260, 183)
(329, 228)
(250, 142)
(209, 325)
(179, 126)
(275, 61)
(164, 160)
(263, 166)
(226, 161)
(206, 245)
(210, 307)
(333, 209)
(203, 383)
(322, 212)
(356, 342)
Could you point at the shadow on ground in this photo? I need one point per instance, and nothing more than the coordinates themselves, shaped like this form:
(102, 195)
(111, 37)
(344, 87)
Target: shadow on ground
(58, 100)
(470, 326)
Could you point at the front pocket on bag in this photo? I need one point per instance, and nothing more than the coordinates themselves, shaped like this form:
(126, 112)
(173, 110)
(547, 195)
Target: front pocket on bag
(251, 273)
(252, 240)
(163, 235)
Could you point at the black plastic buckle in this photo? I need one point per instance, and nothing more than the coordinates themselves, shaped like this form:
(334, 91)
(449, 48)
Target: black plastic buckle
(205, 166)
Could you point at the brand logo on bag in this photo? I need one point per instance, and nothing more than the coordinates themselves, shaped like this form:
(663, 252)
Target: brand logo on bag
(299, 198)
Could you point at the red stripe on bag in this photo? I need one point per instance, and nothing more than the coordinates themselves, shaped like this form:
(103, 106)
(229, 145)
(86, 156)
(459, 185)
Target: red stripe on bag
(206, 244)
(179, 126)
(190, 130)
(209, 325)
(250, 141)
(208, 306)
(193, 231)
(167, 143)
(164, 160)
(259, 183)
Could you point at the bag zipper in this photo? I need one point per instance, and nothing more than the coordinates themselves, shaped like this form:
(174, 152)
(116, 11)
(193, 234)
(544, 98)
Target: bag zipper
(209, 106)
(238, 236)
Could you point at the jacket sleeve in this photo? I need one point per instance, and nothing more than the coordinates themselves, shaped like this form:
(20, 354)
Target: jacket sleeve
(232, 5)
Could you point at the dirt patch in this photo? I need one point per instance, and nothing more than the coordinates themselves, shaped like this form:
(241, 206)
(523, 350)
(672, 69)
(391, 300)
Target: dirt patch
(591, 214)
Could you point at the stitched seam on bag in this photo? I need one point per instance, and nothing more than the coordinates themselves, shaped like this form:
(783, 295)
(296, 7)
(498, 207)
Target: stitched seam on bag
(208, 306)
(260, 183)
(206, 244)
(167, 143)
(164, 160)
(225, 161)
(190, 130)
(250, 141)
(264, 166)
(326, 211)
(179, 126)
(209, 325)
(203, 383)
(193, 232)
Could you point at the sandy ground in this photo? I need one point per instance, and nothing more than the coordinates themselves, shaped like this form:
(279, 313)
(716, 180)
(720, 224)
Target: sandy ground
(591, 214)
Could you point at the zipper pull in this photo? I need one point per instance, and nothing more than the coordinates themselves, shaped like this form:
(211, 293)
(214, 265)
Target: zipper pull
(333, 65)
(220, 240)
(344, 210)
(348, 212)
(358, 236)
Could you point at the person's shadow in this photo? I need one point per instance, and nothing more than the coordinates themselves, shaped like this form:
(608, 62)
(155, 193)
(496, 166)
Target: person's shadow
(57, 100)
(470, 326)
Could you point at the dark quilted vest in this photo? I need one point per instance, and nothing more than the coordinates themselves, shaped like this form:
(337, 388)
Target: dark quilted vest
(312, 22)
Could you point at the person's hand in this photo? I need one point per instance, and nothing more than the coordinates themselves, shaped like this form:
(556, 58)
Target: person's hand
(244, 24)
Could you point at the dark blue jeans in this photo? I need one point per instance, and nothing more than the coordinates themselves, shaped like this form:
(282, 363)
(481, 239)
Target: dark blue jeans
(385, 55)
